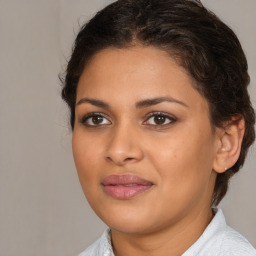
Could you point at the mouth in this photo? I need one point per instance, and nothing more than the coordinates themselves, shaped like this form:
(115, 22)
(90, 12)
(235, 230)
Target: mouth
(125, 187)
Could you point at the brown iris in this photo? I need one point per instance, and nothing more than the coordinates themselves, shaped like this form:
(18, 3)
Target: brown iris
(159, 119)
(97, 119)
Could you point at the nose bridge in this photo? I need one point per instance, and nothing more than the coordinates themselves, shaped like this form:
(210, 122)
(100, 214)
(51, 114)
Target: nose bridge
(124, 144)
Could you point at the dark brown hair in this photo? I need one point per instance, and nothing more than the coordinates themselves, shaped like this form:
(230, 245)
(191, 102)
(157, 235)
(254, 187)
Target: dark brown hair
(192, 35)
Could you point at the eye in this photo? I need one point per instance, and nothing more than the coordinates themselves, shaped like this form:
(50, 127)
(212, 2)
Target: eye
(160, 119)
(95, 119)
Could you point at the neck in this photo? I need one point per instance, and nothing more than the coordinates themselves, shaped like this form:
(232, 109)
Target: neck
(175, 239)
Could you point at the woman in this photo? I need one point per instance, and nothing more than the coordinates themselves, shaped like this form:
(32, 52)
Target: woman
(161, 120)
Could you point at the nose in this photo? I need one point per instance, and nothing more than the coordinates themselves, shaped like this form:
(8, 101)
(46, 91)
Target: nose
(124, 146)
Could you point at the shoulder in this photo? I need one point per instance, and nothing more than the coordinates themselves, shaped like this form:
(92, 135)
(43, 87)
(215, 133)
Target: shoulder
(219, 239)
(227, 241)
(234, 244)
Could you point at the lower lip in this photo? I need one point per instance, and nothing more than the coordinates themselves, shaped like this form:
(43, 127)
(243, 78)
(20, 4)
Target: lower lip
(125, 192)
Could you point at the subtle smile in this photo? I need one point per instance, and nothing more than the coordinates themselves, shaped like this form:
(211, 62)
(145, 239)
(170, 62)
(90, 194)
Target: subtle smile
(125, 186)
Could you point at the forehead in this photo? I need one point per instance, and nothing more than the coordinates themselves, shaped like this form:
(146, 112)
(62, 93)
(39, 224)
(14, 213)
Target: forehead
(132, 74)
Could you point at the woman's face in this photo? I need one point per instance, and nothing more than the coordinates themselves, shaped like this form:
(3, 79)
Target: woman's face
(143, 144)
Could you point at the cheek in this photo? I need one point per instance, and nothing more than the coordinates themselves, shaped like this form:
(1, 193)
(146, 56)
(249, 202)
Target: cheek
(183, 160)
(86, 156)
(184, 178)
(86, 152)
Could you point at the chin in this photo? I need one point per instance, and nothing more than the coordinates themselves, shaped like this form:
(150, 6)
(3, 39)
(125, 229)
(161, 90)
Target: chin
(127, 219)
(130, 226)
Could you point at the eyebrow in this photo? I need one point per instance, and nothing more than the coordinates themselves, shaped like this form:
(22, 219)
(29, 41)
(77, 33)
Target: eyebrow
(155, 101)
(95, 102)
(140, 104)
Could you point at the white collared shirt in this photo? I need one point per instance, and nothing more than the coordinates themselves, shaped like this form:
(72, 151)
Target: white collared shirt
(218, 239)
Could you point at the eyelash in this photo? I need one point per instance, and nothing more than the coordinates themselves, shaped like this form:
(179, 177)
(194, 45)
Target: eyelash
(91, 115)
(151, 115)
(164, 115)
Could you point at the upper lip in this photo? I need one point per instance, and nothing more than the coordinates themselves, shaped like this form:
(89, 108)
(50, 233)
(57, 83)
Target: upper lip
(125, 179)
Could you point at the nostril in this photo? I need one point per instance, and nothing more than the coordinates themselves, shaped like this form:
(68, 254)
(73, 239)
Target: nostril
(109, 159)
(128, 159)
(120, 161)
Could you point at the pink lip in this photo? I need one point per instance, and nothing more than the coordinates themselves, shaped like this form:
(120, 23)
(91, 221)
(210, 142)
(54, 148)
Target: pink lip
(125, 186)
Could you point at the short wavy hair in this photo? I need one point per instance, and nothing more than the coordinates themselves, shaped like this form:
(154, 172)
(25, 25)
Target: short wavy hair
(195, 37)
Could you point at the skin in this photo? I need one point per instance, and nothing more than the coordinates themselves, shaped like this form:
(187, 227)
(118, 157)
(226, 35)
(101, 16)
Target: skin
(180, 157)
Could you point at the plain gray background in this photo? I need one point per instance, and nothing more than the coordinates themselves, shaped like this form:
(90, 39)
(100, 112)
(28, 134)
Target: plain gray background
(42, 208)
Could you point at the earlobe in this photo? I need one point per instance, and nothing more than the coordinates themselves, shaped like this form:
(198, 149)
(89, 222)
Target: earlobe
(230, 139)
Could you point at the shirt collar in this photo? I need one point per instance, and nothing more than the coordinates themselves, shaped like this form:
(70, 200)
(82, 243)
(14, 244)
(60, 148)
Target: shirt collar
(105, 246)
(217, 225)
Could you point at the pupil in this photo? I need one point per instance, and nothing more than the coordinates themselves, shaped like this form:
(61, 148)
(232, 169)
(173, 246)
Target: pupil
(97, 119)
(159, 119)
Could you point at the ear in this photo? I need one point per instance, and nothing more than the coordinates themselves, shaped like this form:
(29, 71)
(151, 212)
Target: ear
(229, 143)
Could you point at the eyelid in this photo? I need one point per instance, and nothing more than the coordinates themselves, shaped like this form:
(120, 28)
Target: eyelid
(166, 115)
(92, 114)
(147, 117)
